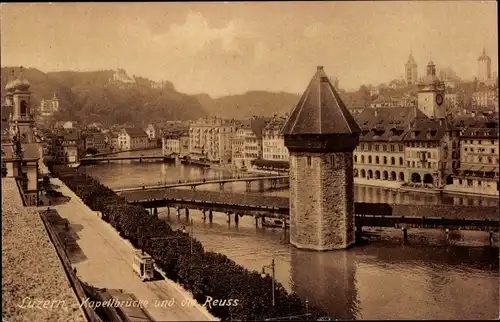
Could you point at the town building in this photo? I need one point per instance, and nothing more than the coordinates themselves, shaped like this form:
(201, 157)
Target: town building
(411, 70)
(211, 139)
(431, 151)
(485, 97)
(379, 159)
(273, 143)
(50, 106)
(479, 150)
(484, 67)
(321, 136)
(132, 139)
(431, 93)
(175, 144)
(121, 77)
(247, 142)
(96, 141)
(152, 132)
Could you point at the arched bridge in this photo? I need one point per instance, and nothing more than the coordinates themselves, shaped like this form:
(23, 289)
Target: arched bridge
(274, 179)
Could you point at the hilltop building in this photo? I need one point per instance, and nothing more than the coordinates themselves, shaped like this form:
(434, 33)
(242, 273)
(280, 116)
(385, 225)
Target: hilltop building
(49, 107)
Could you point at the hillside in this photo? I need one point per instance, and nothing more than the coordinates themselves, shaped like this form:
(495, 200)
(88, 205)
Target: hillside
(90, 96)
(251, 103)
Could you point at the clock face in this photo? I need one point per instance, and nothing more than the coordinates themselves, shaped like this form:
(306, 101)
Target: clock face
(439, 99)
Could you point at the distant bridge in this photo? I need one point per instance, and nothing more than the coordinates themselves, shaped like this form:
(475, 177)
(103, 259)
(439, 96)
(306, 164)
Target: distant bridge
(275, 180)
(367, 214)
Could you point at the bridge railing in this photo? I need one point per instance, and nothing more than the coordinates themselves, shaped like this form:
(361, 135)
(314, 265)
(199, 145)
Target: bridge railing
(209, 178)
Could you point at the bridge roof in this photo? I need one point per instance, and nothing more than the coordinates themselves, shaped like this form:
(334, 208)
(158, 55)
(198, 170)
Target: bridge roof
(320, 110)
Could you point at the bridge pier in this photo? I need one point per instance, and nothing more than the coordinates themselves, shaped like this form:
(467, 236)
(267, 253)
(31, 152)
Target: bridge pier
(210, 216)
(273, 183)
(359, 233)
(284, 225)
(236, 218)
(405, 235)
(263, 220)
(248, 186)
(193, 188)
(221, 186)
(155, 211)
(256, 222)
(228, 217)
(187, 214)
(140, 160)
(178, 212)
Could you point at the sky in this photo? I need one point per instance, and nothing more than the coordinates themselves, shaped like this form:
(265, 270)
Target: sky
(229, 48)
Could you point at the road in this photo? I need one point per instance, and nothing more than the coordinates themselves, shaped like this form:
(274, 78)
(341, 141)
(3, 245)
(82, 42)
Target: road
(108, 264)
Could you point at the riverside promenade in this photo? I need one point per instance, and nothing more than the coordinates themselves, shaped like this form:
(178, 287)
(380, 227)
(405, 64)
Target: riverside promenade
(34, 284)
(107, 263)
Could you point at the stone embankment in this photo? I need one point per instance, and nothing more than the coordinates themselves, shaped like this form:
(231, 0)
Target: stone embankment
(34, 283)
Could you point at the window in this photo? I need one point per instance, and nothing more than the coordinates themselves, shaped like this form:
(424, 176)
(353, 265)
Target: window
(401, 161)
(309, 161)
(460, 181)
(384, 148)
(493, 151)
(376, 160)
(369, 159)
(413, 164)
(385, 160)
(362, 159)
(471, 149)
(469, 183)
(492, 142)
(479, 142)
(480, 159)
(376, 147)
(490, 160)
(465, 149)
(393, 148)
(355, 159)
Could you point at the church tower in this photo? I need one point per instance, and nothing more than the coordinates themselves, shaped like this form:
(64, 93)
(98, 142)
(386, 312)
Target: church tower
(431, 94)
(411, 70)
(320, 135)
(22, 115)
(484, 67)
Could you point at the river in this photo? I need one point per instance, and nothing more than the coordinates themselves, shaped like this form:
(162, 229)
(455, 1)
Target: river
(381, 280)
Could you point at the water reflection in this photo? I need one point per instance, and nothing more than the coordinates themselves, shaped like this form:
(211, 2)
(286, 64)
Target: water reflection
(327, 280)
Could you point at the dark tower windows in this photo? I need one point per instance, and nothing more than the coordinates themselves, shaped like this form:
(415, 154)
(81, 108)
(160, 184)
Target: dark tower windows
(24, 108)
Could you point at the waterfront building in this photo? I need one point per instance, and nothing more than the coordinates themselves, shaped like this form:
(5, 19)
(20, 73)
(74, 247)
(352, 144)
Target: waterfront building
(379, 159)
(132, 138)
(411, 70)
(97, 142)
(484, 67)
(50, 106)
(321, 135)
(478, 172)
(211, 138)
(431, 93)
(273, 144)
(431, 151)
(175, 143)
(247, 142)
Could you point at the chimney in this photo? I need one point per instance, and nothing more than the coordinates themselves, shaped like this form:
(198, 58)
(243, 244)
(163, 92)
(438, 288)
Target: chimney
(376, 113)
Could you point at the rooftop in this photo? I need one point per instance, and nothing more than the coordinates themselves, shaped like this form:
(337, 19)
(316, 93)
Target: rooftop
(135, 132)
(320, 110)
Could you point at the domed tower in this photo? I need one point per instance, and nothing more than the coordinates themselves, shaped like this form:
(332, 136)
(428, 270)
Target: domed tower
(22, 115)
(431, 94)
(320, 135)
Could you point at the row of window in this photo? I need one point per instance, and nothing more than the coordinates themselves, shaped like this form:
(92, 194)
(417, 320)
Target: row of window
(480, 159)
(423, 165)
(385, 160)
(383, 147)
(492, 142)
(479, 150)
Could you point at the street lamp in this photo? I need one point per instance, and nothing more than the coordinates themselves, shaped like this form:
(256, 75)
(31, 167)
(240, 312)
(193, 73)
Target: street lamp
(272, 267)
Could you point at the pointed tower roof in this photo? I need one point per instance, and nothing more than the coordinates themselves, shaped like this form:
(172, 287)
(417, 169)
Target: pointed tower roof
(411, 60)
(320, 110)
(484, 56)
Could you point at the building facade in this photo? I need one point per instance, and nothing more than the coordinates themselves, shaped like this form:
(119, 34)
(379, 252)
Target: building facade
(97, 141)
(485, 97)
(478, 172)
(211, 139)
(273, 144)
(247, 142)
(49, 107)
(132, 139)
(175, 144)
(152, 132)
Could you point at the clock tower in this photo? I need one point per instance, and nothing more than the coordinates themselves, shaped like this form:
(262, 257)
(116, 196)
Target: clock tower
(431, 93)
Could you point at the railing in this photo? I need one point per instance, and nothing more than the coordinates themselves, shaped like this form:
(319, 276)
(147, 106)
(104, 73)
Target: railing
(74, 281)
(21, 191)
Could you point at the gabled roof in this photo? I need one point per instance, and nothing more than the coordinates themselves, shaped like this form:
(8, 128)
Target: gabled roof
(320, 110)
(135, 132)
(426, 129)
